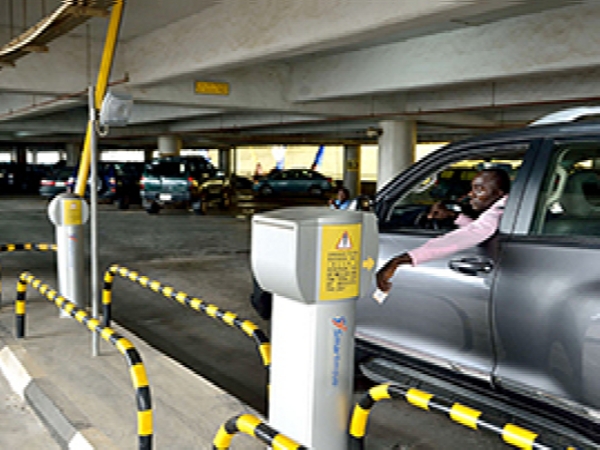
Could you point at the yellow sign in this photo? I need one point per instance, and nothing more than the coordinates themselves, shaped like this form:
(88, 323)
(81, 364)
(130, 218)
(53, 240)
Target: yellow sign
(353, 165)
(72, 214)
(211, 88)
(340, 261)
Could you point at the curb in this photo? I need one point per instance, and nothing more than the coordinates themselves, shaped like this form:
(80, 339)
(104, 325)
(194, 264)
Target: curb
(31, 391)
(26, 387)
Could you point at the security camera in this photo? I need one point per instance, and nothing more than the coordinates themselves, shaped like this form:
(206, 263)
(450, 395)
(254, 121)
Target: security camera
(116, 109)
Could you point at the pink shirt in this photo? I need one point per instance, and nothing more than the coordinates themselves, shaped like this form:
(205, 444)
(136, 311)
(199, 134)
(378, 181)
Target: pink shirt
(470, 233)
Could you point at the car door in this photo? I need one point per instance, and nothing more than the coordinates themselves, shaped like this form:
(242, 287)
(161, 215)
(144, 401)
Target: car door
(547, 296)
(434, 312)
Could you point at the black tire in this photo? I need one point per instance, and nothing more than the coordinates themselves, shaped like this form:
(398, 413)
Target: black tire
(153, 208)
(123, 202)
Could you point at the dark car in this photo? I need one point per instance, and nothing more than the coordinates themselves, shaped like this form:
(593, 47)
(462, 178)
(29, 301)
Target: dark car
(187, 182)
(512, 324)
(56, 182)
(293, 182)
(123, 183)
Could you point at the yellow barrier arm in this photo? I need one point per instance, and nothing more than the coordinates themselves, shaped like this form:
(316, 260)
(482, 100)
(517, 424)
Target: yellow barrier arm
(108, 54)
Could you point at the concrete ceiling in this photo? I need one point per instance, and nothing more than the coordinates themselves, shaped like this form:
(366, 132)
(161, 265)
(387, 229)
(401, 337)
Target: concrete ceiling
(319, 71)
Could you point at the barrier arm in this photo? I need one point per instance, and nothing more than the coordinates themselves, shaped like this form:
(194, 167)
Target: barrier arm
(252, 426)
(137, 370)
(108, 54)
(511, 434)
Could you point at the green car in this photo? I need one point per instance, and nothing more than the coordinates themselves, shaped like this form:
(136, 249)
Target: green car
(185, 182)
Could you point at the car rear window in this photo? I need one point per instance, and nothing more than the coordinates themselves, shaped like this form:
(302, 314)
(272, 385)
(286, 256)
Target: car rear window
(167, 169)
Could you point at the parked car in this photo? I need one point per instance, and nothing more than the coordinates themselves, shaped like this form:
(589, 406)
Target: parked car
(105, 173)
(188, 182)
(513, 323)
(298, 182)
(123, 183)
(56, 182)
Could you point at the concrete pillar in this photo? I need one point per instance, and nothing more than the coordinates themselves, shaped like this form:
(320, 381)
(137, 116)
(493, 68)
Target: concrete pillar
(169, 145)
(225, 160)
(73, 153)
(396, 149)
(148, 155)
(234, 160)
(34, 155)
(21, 155)
(352, 169)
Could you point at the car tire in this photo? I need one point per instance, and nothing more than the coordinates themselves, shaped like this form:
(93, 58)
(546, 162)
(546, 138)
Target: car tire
(153, 208)
(123, 202)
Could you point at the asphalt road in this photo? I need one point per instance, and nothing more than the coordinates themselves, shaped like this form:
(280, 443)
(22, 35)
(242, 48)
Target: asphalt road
(206, 257)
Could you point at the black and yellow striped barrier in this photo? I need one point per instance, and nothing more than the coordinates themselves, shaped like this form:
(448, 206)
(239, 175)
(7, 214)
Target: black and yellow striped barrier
(511, 434)
(23, 247)
(134, 360)
(252, 426)
(249, 328)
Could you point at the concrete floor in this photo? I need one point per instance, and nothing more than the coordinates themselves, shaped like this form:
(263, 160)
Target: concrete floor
(206, 257)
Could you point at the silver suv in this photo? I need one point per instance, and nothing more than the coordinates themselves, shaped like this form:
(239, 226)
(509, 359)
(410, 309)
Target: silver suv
(514, 321)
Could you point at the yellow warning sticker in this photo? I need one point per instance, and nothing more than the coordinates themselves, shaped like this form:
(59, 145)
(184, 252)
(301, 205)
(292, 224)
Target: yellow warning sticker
(72, 214)
(340, 261)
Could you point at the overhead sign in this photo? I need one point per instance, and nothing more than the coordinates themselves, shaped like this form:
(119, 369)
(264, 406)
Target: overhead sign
(340, 261)
(211, 88)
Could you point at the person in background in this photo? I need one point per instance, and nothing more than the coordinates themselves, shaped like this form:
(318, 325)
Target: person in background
(258, 172)
(489, 190)
(342, 199)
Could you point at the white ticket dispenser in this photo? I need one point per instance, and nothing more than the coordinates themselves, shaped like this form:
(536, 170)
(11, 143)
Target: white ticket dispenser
(69, 213)
(317, 262)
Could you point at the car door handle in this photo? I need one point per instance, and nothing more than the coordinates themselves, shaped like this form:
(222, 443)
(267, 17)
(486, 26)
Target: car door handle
(471, 266)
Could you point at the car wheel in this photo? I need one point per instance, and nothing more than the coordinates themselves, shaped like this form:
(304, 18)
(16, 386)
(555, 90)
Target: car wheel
(266, 191)
(123, 202)
(315, 191)
(153, 208)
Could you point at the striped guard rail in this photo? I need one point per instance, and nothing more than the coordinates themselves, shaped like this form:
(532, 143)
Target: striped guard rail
(247, 327)
(137, 370)
(8, 248)
(252, 426)
(511, 434)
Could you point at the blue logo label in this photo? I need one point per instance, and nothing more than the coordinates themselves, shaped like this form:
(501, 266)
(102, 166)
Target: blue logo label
(340, 327)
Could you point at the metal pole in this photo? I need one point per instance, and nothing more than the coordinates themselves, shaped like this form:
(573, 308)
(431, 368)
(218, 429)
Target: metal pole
(94, 216)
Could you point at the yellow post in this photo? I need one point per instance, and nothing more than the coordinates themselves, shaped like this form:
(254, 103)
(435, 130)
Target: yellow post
(101, 84)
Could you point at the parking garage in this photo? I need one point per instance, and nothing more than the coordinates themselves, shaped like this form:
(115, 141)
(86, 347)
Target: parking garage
(269, 84)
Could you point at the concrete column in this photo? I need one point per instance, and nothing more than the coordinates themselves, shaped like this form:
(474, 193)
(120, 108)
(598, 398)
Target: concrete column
(73, 153)
(169, 145)
(396, 149)
(21, 155)
(34, 155)
(148, 154)
(352, 169)
(225, 160)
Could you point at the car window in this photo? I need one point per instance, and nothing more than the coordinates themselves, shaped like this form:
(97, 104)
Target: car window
(448, 185)
(167, 169)
(569, 201)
